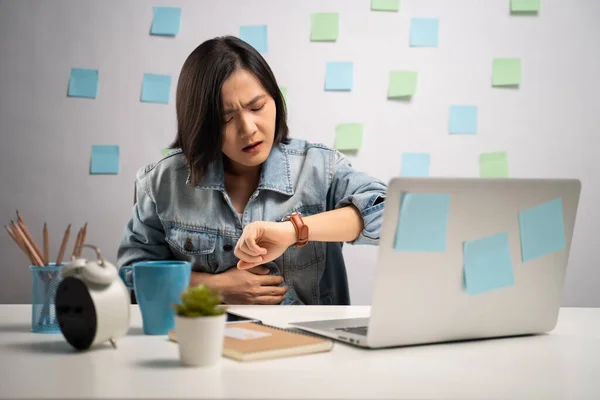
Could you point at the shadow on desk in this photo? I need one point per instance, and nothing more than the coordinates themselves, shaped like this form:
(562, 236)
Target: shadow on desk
(55, 347)
(162, 363)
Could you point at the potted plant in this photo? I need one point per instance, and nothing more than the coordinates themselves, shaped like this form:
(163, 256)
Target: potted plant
(199, 326)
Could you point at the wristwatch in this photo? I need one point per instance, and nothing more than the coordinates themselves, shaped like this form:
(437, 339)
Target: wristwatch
(300, 227)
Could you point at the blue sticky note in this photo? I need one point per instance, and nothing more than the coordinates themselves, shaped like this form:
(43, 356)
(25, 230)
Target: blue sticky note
(487, 264)
(156, 88)
(83, 83)
(166, 21)
(339, 76)
(463, 120)
(424, 32)
(422, 223)
(542, 230)
(105, 160)
(256, 36)
(415, 164)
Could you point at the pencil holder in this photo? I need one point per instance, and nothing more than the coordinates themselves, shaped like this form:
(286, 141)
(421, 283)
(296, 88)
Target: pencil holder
(45, 280)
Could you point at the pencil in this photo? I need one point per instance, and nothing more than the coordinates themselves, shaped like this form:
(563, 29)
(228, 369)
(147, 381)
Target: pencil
(46, 255)
(21, 224)
(36, 258)
(63, 246)
(17, 241)
(13, 229)
(76, 246)
(82, 241)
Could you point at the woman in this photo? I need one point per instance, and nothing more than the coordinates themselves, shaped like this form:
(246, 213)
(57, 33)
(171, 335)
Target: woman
(261, 216)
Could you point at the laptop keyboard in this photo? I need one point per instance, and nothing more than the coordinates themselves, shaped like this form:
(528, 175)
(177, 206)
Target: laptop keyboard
(357, 330)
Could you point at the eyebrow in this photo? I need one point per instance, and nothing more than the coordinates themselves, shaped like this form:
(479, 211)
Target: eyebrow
(251, 102)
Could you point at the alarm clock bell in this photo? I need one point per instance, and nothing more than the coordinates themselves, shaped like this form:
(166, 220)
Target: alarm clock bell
(92, 302)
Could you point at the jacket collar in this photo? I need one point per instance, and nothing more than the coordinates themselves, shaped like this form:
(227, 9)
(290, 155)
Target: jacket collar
(275, 174)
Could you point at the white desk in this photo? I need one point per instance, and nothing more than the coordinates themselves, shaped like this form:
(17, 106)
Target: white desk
(564, 364)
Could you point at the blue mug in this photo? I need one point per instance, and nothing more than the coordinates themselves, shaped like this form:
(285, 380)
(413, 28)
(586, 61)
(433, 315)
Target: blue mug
(158, 285)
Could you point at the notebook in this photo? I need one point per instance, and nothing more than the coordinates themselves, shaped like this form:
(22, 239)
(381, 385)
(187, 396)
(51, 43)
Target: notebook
(250, 341)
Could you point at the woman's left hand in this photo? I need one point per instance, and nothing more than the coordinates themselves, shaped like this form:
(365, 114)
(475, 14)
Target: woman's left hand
(262, 242)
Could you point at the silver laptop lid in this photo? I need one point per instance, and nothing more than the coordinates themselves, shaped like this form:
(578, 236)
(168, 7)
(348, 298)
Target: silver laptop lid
(471, 258)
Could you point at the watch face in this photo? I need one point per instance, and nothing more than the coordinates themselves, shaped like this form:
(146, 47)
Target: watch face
(76, 313)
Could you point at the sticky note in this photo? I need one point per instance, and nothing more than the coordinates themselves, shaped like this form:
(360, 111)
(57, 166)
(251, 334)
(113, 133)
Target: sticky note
(339, 76)
(284, 92)
(424, 32)
(402, 84)
(422, 222)
(385, 5)
(493, 165)
(348, 136)
(105, 160)
(324, 27)
(164, 152)
(415, 164)
(256, 36)
(83, 83)
(506, 72)
(462, 120)
(156, 88)
(487, 264)
(165, 21)
(525, 6)
(542, 230)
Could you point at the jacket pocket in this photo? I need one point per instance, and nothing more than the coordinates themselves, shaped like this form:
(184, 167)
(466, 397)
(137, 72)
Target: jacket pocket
(190, 242)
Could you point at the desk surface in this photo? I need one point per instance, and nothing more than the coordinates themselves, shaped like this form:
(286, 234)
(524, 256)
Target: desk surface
(562, 364)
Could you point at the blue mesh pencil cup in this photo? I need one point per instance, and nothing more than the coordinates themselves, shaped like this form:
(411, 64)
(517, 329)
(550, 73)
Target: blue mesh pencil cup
(44, 282)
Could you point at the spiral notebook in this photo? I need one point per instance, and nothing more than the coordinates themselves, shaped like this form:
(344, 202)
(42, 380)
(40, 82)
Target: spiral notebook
(250, 341)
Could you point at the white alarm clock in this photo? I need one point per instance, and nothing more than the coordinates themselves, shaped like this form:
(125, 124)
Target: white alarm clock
(92, 302)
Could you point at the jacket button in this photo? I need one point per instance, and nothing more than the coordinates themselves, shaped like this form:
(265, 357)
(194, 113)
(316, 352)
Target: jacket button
(227, 247)
(188, 246)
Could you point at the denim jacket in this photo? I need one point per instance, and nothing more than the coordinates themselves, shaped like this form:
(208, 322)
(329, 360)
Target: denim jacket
(174, 220)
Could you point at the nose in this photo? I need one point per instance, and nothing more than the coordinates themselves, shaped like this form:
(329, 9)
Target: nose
(247, 125)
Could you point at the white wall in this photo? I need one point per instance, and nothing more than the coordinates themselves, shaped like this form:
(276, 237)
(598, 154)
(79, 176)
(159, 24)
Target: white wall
(546, 126)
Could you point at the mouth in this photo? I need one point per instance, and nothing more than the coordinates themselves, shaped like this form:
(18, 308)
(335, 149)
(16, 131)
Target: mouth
(253, 147)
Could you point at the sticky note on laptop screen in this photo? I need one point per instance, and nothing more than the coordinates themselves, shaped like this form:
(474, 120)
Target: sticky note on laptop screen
(422, 222)
(487, 264)
(542, 230)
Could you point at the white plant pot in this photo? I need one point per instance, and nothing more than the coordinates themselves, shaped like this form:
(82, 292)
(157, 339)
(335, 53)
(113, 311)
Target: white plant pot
(200, 339)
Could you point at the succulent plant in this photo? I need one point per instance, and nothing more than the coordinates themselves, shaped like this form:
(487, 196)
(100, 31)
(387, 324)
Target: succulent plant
(200, 301)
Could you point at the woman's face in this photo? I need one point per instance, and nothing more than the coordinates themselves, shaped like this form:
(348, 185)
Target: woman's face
(249, 120)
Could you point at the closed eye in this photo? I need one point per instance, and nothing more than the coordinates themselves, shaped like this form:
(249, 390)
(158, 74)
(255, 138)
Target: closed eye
(258, 108)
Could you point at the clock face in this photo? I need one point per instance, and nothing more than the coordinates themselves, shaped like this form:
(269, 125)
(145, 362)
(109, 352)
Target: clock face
(76, 313)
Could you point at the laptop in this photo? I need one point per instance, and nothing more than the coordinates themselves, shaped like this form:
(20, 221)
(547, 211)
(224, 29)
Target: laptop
(467, 258)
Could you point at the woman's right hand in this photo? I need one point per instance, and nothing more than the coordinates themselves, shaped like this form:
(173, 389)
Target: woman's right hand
(250, 286)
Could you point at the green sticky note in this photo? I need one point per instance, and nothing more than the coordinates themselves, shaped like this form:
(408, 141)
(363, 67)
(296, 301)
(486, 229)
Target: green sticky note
(348, 136)
(324, 27)
(385, 5)
(506, 72)
(164, 152)
(493, 165)
(402, 84)
(284, 92)
(525, 6)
